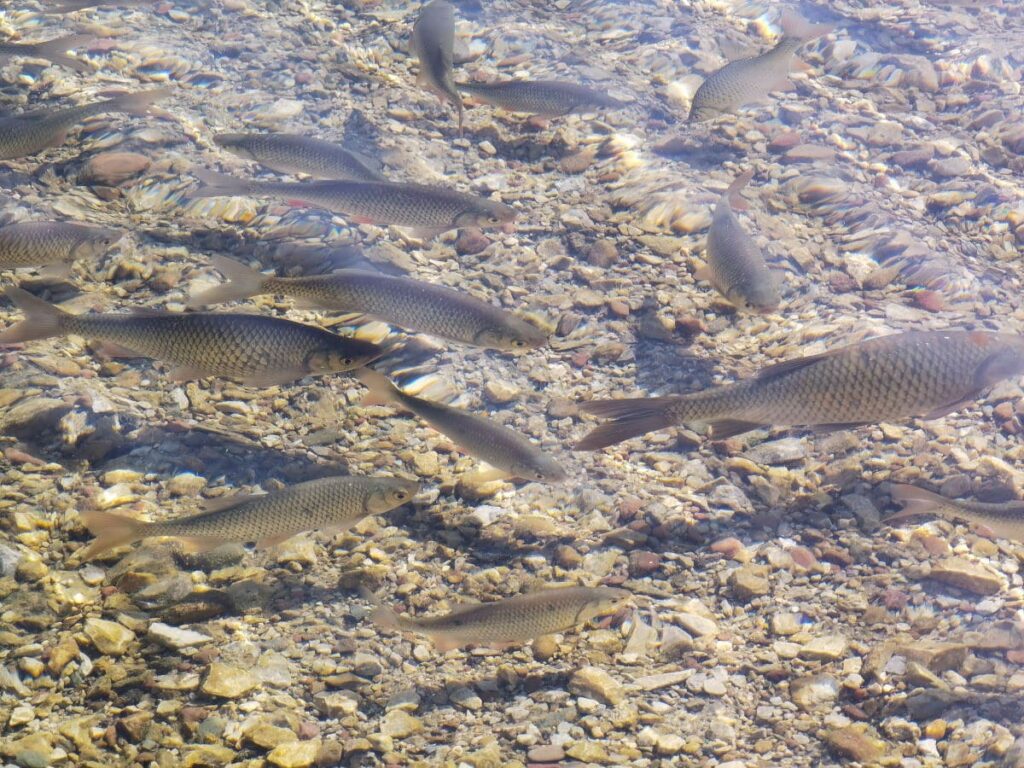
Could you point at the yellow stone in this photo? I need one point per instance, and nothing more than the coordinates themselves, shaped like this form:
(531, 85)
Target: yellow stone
(936, 729)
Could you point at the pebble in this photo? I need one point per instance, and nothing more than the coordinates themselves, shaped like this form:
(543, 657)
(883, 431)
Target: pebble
(749, 582)
(115, 168)
(186, 484)
(399, 724)
(856, 742)
(175, 637)
(967, 575)
(825, 648)
(108, 637)
(228, 682)
(814, 692)
(596, 683)
(295, 754)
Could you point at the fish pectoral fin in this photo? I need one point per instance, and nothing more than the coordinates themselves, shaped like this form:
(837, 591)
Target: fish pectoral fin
(945, 410)
(445, 644)
(703, 272)
(799, 65)
(111, 349)
(422, 233)
(273, 541)
(838, 426)
(486, 474)
(186, 373)
(58, 271)
(272, 378)
(306, 303)
(722, 429)
(781, 83)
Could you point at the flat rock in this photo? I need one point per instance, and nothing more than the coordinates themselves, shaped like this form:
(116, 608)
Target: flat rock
(597, 684)
(109, 637)
(175, 637)
(228, 682)
(825, 648)
(856, 742)
(749, 581)
(294, 754)
(967, 575)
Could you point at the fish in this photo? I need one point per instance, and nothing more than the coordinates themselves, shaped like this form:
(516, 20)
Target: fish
(433, 40)
(925, 374)
(749, 81)
(333, 504)
(735, 265)
(511, 621)
(53, 244)
(509, 454)
(32, 132)
(409, 304)
(260, 351)
(71, 6)
(52, 50)
(1004, 519)
(547, 98)
(291, 153)
(427, 209)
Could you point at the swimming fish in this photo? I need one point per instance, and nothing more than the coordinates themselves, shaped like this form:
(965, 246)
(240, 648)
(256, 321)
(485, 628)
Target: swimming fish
(749, 81)
(509, 453)
(258, 350)
(925, 374)
(31, 132)
(433, 39)
(425, 208)
(52, 50)
(1004, 519)
(735, 265)
(331, 503)
(70, 6)
(410, 304)
(53, 244)
(547, 98)
(291, 153)
(512, 621)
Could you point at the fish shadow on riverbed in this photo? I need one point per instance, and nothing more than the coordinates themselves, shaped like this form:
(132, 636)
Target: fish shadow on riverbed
(669, 368)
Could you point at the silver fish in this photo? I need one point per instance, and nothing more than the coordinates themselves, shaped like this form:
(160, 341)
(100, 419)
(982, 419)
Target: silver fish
(433, 40)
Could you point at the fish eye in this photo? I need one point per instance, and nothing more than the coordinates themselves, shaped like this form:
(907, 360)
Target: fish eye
(518, 343)
(401, 495)
(539, 475)
(347, 361)
(493, 220)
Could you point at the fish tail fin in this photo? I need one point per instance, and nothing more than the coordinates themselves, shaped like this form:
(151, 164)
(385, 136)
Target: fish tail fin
(797, 27)
(732, 194)
(214, 184)
(631, 417)
(457, 100)
(242, 283)
(138, 103)
(42, 319)
(56, 51)
(110, 531)
(381, 390)
(916, 501)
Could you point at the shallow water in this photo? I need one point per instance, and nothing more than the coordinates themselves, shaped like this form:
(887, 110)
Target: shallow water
(780, 623)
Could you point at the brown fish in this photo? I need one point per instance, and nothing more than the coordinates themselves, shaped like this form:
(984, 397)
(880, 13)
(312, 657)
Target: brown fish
(31, 132)
(425, 208)
(749, 81)
(52, 50)
(925, 374)
(53, 244)
(509, 453)
(547, 98)
(433, 40)
(1004, 519)
(291, 153)
(735, 265)
(333, 504)
(258, 350)
(410, 304)
(512, 621)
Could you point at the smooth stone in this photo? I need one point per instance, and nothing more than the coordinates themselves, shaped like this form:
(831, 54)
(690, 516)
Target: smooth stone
(109, 637)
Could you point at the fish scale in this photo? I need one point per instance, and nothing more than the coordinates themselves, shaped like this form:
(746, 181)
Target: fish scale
(289, 153)
(38, 243)
(520, 618)
(913, 374)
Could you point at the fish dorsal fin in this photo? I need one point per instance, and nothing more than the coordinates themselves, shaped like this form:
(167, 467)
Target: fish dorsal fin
(222, 503)
(787, 367)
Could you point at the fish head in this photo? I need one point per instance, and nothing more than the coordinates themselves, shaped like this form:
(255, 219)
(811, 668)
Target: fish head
(235, 143)
(760, 298)
(346, 355)
(487, 214)
(606, 600)
(539, 468)
(511, 337)
(700, 113)
(96, 242)
(390, 492)
(1006, 359)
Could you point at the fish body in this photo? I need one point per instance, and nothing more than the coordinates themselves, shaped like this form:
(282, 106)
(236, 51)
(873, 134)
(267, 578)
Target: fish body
(258, 350)
(435, 209)
(915, 374)
(735, 265)
(507, 451)
(52, 50)
(748, 81)
(331, 503)
(510, 621)
(433, 41)
(547, 98)
(71, 6)
(410, 304)
(32, 132)
(43, 243)
(1004, 519)
(290, 153)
